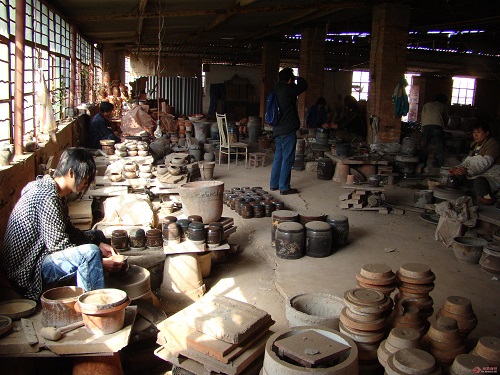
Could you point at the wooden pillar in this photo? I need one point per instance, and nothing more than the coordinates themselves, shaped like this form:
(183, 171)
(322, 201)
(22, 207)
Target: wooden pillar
(270, 68)
(19, 77)
(389, 39)
(72, 81)
(311, 67)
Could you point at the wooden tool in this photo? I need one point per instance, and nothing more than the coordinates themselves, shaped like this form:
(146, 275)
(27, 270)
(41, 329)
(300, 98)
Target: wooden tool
(54, 334)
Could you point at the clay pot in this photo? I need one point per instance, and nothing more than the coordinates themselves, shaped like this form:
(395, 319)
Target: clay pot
(115, 177)
(174, 170)
(130, 167)
(58, 306)
(161, 169)
(468, 249)
(203, 198)
(443, 340)
(120, 147)
(129, 175)
(145, 175)
(145, 168)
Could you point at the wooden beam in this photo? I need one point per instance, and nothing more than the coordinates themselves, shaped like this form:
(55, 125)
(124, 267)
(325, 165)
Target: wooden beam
(142, 8)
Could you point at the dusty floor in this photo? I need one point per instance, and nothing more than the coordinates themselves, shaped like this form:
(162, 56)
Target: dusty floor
(259, 277)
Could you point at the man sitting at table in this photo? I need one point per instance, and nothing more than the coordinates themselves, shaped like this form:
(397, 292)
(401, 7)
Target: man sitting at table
(99, 127)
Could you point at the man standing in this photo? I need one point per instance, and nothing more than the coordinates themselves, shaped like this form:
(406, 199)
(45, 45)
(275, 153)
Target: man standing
(41, 246)
(285, 129)
(434, 119)
(99, 127)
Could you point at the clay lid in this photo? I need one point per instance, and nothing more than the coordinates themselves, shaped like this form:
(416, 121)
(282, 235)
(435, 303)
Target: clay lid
(391, 280)
(464, 364)
(415, 271)
(412, 361)
(337, 218)
(387, 290)
(488, 347)
(285, 214)
(319, 226)
(416, 288)
(374, 325)
(403, 338)
(362, 336)
(458, 305)
(367, 300)
(376, 271)
(290, 226)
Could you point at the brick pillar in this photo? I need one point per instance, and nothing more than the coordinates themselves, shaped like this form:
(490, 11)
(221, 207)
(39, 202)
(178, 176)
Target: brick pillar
(390, 23)
(270, 68)
(311, 67)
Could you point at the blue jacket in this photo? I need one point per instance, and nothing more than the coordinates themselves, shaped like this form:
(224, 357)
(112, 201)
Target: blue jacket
(99, 129)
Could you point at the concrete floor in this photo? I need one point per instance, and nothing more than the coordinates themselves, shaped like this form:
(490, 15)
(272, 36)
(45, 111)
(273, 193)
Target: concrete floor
(258, 277)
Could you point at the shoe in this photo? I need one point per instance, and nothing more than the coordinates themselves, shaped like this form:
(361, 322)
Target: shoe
(289, 191)
(273, 189)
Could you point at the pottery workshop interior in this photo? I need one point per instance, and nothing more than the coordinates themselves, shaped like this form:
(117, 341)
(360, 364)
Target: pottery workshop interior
(273, 187)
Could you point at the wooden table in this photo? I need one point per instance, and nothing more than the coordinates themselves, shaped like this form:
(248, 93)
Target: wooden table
(343, 165)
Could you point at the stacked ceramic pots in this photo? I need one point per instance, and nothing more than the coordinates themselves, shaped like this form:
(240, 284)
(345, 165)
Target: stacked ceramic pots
(408, 317)
(364, 319)
(399, 338)
(443, 340)
(460, 309)
(467, 364)
(414, 285)
(490, 258)
(412, 361)
(488, 348)
(377, 276)
(252, 202)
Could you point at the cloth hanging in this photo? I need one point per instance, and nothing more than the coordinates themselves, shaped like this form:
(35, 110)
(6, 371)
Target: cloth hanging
(400, 99)
(45, 120)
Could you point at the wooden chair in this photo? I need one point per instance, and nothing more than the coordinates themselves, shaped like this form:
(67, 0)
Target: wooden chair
(226, 146)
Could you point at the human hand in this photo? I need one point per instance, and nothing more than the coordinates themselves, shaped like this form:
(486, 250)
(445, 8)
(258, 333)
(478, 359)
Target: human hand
(325, 126)
(457, 171)
(111, 265)
(107, 250)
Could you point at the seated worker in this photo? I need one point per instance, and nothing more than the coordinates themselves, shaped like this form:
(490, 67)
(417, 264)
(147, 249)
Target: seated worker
(41, 246)
(99, 127)
(351, 125)
(482, 166)
(317, 115)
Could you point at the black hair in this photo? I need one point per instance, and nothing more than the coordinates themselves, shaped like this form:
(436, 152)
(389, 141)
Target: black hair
(80, 161)
(442, 98)
(285, 75)
(481, 125)
(106, 107)
(351, 103)
(321, 101)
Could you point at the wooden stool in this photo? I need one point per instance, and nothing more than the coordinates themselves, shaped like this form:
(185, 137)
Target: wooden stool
(256, 158)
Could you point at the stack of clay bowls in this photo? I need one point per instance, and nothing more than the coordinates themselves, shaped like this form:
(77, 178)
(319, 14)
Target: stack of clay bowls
(120, 149)
(465, 364)
(415, 284)
(443, 340)
(377, 276)
(412, 362)
(460, 309)
(399, 338)
(364, 319)
(404, 316)
(488, 348)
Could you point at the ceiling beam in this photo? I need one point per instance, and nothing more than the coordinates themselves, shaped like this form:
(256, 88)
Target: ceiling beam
(142, 8)
(325, 5)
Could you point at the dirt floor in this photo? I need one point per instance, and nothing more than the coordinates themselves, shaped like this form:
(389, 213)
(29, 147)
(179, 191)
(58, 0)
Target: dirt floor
(259, 277)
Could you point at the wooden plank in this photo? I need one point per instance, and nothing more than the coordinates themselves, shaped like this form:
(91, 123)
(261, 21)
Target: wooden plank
(345, 196)
(363, 188)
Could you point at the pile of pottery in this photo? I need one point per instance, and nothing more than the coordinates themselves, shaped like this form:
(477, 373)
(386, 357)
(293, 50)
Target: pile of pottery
(416, 281)
(364, 319)
(175, 166)
(412, 362)
(488, 348)
(249, 202)
(408, 317)
(443, 340)
(460, 309)
(377, 276)
(133, 170)
(399, 338)
(131, 148)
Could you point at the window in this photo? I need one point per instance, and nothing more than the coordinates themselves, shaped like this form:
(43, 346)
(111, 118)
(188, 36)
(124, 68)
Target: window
(6, 72)
(360, 84)
(463, 91)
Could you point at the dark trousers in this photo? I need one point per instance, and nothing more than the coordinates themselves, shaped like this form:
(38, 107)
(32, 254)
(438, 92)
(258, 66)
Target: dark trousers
(432, 134)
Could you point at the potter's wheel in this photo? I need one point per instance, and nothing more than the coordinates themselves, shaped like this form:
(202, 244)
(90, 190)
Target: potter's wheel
(430, 218)
(147, 316)
(447, 193)
(135, 281)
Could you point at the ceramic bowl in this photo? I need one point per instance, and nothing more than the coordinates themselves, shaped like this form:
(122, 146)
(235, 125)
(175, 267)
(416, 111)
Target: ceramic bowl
(115, 177)
(145, 167)
(120, 147)
(129, 174)
(132, 153)
(107, 142)
(141, 146)
(132, 146)
(143, 153)
(195, 117)
(130, 167)
(121, 154)
(161, 169)
(174, 170)
(177, 161)
(145, 175)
